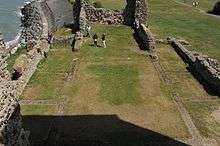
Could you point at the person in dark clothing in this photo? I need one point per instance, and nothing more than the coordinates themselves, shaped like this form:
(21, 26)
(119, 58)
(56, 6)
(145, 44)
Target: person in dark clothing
(73, 44)
(50, 39)
(103, 40)
(95, 39)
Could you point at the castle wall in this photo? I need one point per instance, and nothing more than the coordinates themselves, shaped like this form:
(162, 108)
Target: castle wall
(32, 21)
(101, 15)
(136, 11)
(57, 13)
(11, 132)
(60, 11)
(208, 69)
(146, 37)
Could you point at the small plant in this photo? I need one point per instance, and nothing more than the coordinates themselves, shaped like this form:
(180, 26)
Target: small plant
(98, 4)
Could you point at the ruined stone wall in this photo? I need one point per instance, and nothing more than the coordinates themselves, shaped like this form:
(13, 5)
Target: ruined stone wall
(11, 131)
(101, 15)
(146, 37)
(32, 21)
(3, 55)
(183, 52)
(136, 11)
(57, 13)
(208, 69)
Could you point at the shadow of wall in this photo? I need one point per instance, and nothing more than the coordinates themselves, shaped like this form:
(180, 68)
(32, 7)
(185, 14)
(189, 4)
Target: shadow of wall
(91, 130)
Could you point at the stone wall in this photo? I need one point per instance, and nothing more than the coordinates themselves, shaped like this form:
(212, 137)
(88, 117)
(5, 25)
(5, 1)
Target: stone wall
(101, 15)
(208, 69)
(2, 55)
(136, 11)
(146, 37)
(57, 13)
(11, 132)
(10, 120)
(32, 21)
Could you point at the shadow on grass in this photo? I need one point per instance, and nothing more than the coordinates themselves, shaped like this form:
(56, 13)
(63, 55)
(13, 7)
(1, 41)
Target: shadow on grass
(91, 130)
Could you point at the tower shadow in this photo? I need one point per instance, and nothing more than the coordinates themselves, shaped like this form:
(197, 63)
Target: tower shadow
(91, 130)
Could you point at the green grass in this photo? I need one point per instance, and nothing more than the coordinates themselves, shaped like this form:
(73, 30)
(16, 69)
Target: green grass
(63, 32)
(117, 44)
(119, 83)
(169, 18)
(11, 60)
(38, 109)
(206, 5)
(201, 114)
(112, 4)
(49, 78)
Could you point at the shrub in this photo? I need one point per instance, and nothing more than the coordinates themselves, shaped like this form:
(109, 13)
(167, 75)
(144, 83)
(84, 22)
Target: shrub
(98, 4)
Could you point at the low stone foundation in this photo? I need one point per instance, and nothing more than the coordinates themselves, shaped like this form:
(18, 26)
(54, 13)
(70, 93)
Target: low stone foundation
(208, 69)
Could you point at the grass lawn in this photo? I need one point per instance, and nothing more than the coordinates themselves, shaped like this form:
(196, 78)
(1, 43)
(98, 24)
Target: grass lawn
(169, 18)
(62, 32)
(49, 78)
(201, 113)
(206, 5)
(119, 83)
(38, 109)
(11, 60)
(118, 80)
(196, 100)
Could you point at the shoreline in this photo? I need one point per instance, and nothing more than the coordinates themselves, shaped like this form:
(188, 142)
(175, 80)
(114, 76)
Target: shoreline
(12, 45)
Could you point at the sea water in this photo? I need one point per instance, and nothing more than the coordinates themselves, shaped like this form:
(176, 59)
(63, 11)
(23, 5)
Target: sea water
(10, 18)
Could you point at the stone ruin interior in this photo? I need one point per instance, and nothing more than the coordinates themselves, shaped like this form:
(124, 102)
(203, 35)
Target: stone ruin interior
(45, 16)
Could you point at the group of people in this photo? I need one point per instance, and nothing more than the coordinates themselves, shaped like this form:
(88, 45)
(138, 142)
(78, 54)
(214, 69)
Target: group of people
(96, 37)
(194, 3)
(103, 39)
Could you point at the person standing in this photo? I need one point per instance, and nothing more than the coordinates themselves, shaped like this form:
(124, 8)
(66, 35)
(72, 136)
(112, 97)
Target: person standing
(50, 39)
(95, 39)
(104, 40)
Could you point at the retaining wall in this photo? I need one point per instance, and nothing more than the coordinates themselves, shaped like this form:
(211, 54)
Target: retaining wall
(208, 69)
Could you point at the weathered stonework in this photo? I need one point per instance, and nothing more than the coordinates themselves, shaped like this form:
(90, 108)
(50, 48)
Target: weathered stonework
(101, 15)
(207, 68)
(11, 132)
(56, 12)
(136, 11)
(146, 37)
(10, 119)
(32, 21)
